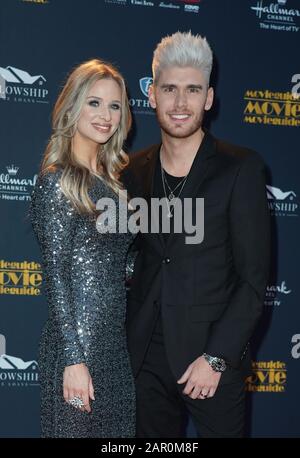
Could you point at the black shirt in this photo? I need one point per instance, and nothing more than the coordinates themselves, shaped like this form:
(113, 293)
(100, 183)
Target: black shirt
(158, 190)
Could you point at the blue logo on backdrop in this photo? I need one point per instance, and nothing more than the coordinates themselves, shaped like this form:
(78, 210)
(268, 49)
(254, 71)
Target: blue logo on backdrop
(145, 83)
(141, 105)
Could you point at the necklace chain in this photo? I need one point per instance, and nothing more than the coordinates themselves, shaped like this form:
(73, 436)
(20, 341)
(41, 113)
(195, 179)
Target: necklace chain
(171, 195)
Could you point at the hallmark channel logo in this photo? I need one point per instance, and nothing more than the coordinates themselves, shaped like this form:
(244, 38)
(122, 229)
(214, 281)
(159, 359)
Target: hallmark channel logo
(19, 86)
(267, 377)
(277, 16)
(282, 203)
(14, 371)
(275, 293)
(296, 347)
(271, 108)
(14, 187)
(20, 278)
(141, 104)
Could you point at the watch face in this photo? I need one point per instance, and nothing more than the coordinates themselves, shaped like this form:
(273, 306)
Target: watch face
(217, 364)
(221, 366)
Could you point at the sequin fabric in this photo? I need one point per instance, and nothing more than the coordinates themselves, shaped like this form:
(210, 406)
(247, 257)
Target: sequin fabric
(84, 274)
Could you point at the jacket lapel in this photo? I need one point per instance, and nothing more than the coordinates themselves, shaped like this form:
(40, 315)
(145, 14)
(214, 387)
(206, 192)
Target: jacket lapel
(199, 167)
(148, 173)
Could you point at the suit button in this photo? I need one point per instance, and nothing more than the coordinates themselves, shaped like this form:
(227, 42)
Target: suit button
(167, 261)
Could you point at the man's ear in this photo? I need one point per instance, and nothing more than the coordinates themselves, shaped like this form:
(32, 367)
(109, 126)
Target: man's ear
(209, 99)
(151, 95)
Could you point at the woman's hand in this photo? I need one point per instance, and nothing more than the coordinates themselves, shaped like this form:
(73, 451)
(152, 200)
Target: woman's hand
(78, 383)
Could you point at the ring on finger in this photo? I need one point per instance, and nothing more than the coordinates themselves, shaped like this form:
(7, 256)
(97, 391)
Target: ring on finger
(76, 402)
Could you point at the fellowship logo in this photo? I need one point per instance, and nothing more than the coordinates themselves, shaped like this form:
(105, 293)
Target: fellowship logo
(275, 293)
(14, 371)
(141, 104)
(278, 16)
(282, 203)
(14, 187)
(20, 278)
(19, 86)
(271, 108)
(267, 377)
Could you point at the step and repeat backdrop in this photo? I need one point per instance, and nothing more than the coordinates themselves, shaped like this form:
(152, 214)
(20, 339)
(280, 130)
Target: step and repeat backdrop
(256, 78)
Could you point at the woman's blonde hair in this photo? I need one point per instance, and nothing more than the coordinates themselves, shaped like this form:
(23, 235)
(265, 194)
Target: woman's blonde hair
(111, 159)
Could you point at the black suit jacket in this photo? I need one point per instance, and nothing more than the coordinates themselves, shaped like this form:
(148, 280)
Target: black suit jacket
(211, 294)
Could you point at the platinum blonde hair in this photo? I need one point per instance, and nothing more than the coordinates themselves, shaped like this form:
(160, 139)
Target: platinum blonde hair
(182, 49)
(111, 159)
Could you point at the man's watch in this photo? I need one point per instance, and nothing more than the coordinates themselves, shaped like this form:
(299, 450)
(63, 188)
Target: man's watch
(217, 364)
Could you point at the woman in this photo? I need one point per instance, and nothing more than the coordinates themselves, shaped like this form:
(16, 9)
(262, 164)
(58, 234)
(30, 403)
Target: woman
(87, 389)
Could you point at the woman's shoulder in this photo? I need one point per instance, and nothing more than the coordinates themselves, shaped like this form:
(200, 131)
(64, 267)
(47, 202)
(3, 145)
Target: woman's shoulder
(50, 175)
(48, 185)
(49, 179)
(48, 194)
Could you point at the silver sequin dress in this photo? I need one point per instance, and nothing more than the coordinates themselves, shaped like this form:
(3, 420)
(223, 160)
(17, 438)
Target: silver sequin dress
(84, 273)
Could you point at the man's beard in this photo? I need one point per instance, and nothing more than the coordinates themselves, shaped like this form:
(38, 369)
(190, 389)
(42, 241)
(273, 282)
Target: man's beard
(177, 132)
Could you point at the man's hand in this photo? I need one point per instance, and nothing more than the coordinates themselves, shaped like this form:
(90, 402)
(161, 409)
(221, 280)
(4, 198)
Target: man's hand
(202, 380)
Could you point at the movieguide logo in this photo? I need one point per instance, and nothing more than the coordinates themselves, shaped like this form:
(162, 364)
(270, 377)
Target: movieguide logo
(271, 108)
(268, 376)
(20, 278)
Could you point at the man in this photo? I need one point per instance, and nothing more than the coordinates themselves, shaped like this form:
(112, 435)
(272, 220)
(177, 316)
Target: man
(193, 307)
